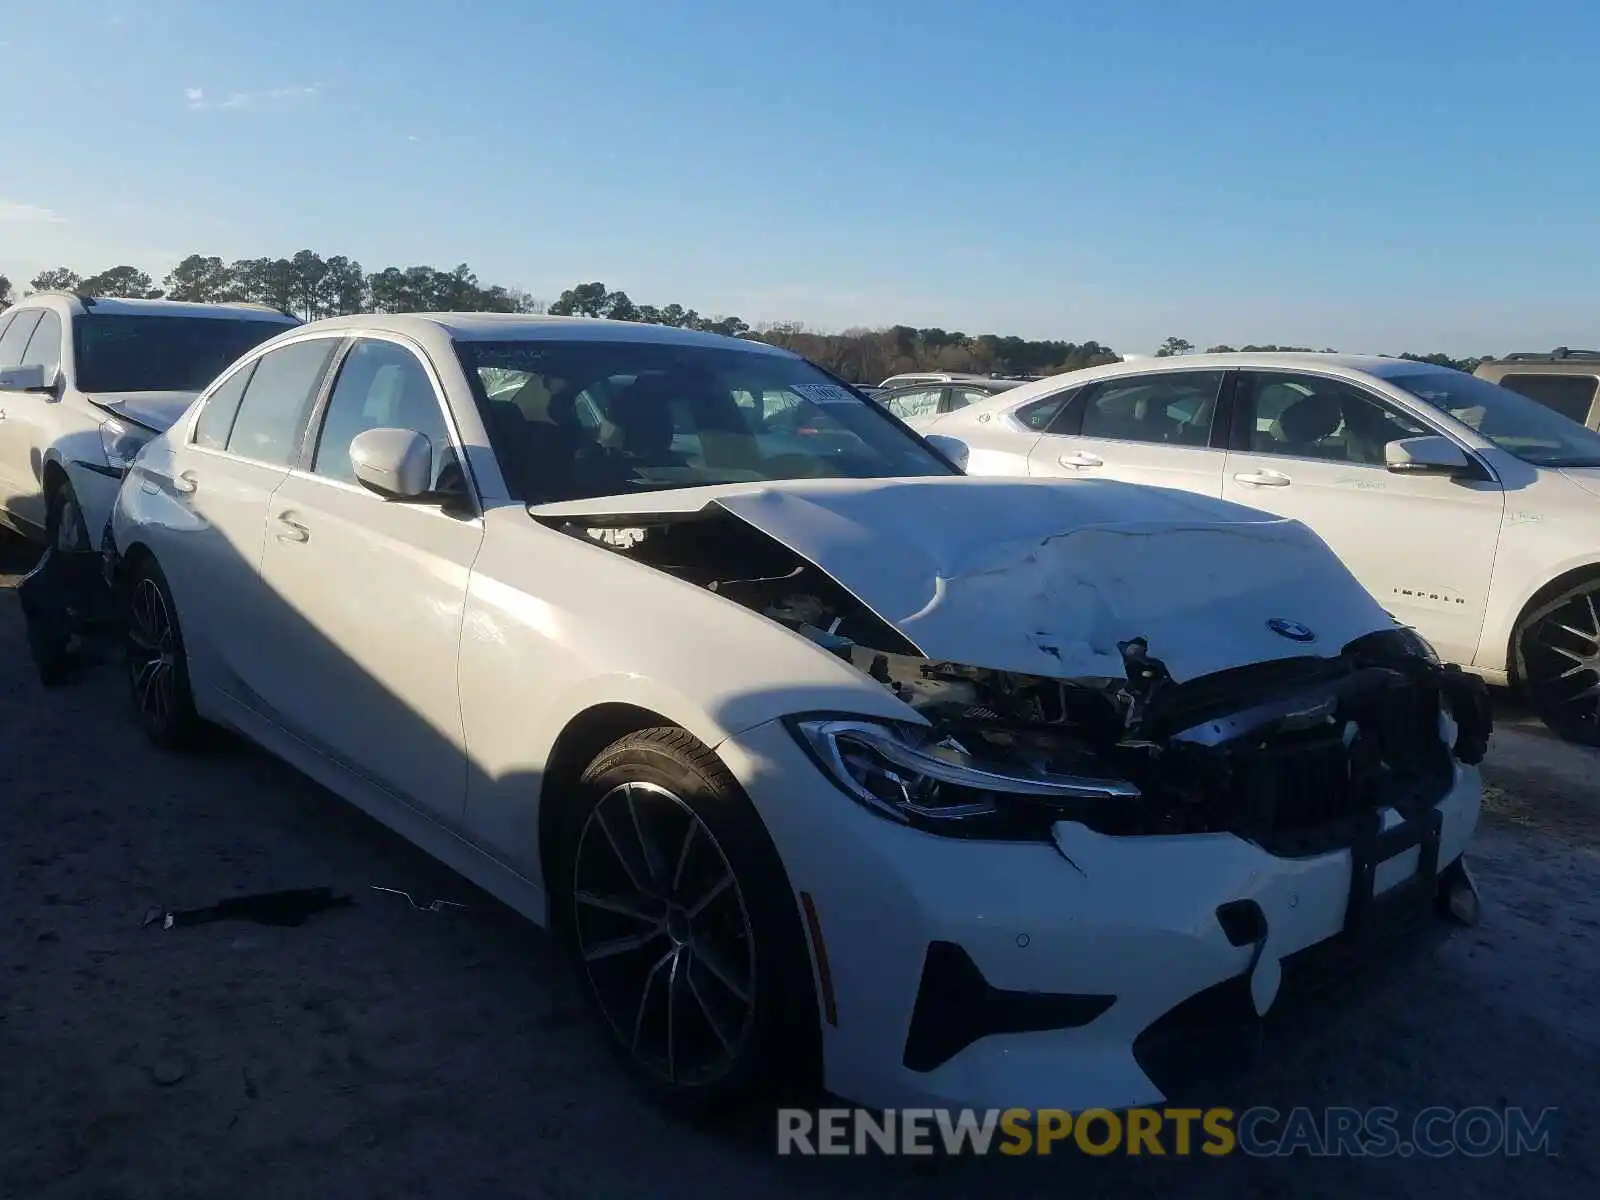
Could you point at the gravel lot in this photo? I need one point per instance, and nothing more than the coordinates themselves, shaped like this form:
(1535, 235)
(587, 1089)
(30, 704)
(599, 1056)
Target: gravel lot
(380, 1051)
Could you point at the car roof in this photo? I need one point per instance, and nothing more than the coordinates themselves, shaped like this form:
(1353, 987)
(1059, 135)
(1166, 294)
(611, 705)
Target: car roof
(520, 327)
(1332, 364)
(95, 306)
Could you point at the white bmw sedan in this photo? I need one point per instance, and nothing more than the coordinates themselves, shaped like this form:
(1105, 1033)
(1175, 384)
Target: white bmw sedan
(825, 762)
(1471, 512)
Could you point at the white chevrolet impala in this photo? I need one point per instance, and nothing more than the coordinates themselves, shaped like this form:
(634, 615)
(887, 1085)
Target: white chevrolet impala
(825, 761)
(1470, 511)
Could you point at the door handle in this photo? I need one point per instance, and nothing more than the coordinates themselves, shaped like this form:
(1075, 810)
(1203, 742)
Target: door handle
(185, 482)
(1078, 460)
(290, 530)
(1262, 479)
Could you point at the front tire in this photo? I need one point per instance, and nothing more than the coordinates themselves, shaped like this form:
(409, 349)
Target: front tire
(1558, 652)
(676, 911)
(158, 669)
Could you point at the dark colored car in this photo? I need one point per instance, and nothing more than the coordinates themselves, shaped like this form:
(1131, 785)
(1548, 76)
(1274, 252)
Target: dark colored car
(1564, 380)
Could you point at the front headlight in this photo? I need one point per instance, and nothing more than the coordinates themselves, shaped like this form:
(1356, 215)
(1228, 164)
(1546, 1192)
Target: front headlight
(122, 442)
(916, 778)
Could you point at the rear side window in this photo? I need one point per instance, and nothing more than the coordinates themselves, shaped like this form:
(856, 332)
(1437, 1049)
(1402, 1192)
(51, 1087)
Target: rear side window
(1040, 413)
(913, 404)
(277, 401)
(1172, 408)
(215, 421)
(1569, 395)
(16, 335)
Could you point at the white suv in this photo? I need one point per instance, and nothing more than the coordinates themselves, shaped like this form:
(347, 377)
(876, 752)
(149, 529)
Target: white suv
(86, 382)
(1471, 512)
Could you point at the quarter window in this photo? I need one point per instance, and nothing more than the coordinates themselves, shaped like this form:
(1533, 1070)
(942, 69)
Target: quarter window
(1569, 395)
(1173, 408)
(1308, 416)
(276, 400)
(44, 347)
(380, 386)
(1040, 413)
(15, 337)
(215, 422)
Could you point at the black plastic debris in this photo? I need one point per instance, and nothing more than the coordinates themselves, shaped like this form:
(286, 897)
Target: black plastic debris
(286, 908)
(435, 906)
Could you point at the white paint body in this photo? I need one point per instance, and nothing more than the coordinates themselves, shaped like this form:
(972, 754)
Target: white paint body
(423, 666)
(1459, 561)
(40, 432)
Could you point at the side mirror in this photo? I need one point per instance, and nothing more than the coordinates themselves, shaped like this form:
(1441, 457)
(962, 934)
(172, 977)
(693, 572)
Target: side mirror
(952, 448)
(1430, 455)
(25, 379)
(397, 464)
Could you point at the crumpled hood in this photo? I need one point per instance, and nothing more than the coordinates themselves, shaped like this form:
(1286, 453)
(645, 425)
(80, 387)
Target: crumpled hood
(1045, 577)
(153, 410)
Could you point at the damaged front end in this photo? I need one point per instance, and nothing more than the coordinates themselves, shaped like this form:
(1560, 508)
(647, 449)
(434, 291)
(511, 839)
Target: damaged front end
(1297, 755)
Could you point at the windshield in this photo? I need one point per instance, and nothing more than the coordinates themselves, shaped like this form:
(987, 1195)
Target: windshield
(160, 354)
(1516, 424)
(574, 420)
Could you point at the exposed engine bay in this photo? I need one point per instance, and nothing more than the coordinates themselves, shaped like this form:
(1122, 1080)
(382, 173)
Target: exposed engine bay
(1293, 754)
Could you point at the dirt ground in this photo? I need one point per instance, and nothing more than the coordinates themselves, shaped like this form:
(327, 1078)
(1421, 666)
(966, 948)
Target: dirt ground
(386, 1052)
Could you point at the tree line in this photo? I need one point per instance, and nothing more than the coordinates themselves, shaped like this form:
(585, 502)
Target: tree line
(309, 286)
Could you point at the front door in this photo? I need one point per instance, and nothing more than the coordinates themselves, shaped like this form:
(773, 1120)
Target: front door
(1312, 448)
(371, 593)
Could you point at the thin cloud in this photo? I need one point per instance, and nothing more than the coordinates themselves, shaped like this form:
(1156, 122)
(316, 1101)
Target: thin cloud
(12, 212)
(196, 98)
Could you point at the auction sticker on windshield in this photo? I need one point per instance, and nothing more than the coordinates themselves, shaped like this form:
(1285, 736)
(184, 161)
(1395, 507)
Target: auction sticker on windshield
(825, 393)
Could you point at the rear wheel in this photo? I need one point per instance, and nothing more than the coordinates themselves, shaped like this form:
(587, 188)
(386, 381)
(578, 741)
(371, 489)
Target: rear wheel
(158, 671)
(1558, 648)
(677, 914)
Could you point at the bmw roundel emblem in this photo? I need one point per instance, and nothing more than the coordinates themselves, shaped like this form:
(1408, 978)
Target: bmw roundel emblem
(1292, 630)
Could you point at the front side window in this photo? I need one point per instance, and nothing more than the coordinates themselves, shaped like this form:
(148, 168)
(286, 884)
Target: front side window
(44, 346)
(580, 419)
(276, 402)
(15, 339)
(913, 404)
(1173, 408)
(1569, 395)
(120, 353)
(1309, 416)
(380, 386)
(1511, 421)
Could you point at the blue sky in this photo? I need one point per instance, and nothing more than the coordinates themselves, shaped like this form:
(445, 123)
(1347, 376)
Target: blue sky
(1412, 174)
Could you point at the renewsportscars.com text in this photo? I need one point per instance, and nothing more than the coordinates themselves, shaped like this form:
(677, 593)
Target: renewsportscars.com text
(1172, 1132)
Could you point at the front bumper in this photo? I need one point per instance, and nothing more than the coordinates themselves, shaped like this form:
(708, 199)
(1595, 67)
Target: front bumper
(1065, 955)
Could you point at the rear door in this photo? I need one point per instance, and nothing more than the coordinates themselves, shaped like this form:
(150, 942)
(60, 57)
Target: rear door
(222, 475)
(1159, 429)
(1312, 447)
